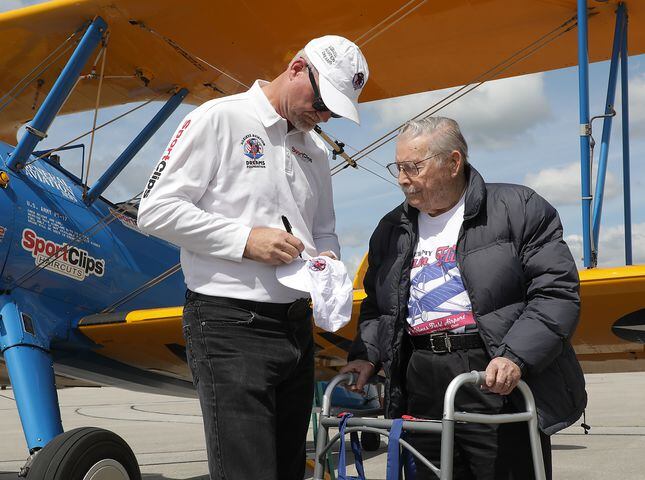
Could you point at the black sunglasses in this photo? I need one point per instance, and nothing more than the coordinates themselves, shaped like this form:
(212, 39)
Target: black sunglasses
(318, 103)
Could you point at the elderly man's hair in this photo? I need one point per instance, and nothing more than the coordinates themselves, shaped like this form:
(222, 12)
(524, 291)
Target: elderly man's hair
(444, 135)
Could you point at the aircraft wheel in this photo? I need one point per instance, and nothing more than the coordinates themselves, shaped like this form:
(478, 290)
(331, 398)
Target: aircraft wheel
(86, 453)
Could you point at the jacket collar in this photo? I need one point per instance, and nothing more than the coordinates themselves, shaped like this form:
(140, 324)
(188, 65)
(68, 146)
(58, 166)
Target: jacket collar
(475, 193)
(473, 203)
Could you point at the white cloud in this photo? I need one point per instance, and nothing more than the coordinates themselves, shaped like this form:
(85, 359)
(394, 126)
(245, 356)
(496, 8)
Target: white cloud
(561, 185)
(495, 115)
(357, 237)
(15, 4)
(637, 106)
(611, 248)
(352, 261)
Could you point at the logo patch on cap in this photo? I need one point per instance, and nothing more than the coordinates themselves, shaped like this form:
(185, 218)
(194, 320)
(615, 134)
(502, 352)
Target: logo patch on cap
(317, 264)
(358, 81)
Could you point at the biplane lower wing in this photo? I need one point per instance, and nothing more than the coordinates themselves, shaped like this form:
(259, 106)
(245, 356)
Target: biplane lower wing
(149, 343)
(610, 336)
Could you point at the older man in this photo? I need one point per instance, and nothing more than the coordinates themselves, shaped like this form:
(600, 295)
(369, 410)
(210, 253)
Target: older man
(463, 276)
(244, 186)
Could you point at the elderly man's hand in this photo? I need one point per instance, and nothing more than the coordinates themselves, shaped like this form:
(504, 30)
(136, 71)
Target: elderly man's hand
(364, 369)
(502, 375)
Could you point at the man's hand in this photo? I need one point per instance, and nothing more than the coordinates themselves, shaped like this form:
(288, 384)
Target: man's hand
(364, 369)
(272, 246)
(502, 375)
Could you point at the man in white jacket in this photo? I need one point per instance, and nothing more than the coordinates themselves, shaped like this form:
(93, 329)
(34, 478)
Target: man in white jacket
(244, 186)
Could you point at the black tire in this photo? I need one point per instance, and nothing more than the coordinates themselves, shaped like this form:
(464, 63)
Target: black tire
(74, 454)
(370, 441)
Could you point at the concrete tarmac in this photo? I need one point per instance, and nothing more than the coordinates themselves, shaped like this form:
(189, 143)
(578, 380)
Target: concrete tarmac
(166, 433)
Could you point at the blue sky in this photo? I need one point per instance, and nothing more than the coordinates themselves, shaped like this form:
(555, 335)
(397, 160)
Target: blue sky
(520, 130)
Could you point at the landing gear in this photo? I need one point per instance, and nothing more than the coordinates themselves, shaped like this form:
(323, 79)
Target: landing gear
(86, 453)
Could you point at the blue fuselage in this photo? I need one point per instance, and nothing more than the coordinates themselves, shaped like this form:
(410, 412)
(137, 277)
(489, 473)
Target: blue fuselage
(63, 260)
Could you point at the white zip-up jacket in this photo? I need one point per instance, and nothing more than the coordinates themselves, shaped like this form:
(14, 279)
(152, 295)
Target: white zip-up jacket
(230, 166)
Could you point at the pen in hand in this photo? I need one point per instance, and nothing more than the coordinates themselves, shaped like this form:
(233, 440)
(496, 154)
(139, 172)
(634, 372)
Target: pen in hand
(287, 227)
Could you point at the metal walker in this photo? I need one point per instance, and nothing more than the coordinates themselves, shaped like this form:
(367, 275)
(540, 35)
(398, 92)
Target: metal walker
(444, 427)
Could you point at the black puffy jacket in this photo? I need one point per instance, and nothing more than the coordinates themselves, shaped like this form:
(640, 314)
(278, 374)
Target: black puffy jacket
(522, 283)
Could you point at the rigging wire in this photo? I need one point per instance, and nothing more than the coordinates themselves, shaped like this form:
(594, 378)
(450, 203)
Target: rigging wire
(142, 288)
(337, 139)
(105, 221)
(24, 87)
(191, 57)
(389, 25)
(118, 117)
(82, 237)
(35, 73)
(473, 84)
(344, 164)
(379, 176)
(103, 55)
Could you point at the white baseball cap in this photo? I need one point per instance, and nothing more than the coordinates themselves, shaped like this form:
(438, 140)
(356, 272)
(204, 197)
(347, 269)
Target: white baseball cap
(342, 73)
(329, 285)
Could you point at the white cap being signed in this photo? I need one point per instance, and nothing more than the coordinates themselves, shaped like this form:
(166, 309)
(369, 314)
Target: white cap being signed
(329, 285)
(342, 73)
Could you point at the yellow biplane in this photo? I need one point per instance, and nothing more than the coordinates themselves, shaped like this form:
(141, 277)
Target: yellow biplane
(75, 295)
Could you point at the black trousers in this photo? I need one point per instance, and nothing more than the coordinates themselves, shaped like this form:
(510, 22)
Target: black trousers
(253, 368)
(482, 452)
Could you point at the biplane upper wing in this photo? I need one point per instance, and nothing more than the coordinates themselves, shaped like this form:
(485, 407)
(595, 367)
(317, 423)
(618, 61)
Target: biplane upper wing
(215, 48)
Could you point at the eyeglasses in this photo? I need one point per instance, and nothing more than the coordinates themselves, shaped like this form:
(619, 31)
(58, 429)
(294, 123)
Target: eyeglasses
(318, 103)
(411, 169)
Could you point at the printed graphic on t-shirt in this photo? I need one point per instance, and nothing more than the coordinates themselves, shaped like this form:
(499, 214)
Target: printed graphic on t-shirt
(438, 299)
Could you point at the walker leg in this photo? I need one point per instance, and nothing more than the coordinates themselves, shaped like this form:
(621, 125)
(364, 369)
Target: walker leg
(536, 449)
(447, 448)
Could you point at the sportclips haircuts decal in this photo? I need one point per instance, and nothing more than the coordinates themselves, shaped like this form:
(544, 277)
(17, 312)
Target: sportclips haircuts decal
(161, 166)
(73, 262)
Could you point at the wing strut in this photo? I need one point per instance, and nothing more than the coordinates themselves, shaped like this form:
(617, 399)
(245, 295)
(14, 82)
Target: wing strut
(137, 144)
(58, 94)
(592, 204)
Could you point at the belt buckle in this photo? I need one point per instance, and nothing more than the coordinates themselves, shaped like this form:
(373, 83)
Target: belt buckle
(444, 347)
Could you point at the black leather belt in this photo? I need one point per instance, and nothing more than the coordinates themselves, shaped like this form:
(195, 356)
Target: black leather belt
(298, 310)
(443, 342)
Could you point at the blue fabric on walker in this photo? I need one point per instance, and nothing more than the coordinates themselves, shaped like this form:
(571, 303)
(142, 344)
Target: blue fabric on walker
(356, 449)
(395, 455)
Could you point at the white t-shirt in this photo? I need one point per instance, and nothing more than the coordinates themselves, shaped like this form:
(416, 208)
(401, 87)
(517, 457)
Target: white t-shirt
(230, 166)
(438, 300)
